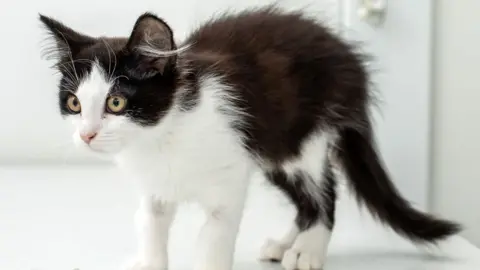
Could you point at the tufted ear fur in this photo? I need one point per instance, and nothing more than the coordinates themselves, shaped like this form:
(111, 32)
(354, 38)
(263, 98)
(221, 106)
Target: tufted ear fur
(67, 42)
(152, 46)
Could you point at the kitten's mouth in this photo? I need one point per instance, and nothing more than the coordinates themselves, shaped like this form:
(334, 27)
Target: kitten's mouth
(96, 149)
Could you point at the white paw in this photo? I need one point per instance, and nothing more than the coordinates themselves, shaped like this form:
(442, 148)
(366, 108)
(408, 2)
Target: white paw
(272, 251)
(296, 259)
(142, 265)
(309, 250)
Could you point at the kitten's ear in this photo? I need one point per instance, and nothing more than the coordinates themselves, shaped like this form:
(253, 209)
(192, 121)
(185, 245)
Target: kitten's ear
(67, 42)
(152, 45)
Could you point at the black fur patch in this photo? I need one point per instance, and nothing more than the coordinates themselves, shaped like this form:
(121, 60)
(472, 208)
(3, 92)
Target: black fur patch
(314, 203)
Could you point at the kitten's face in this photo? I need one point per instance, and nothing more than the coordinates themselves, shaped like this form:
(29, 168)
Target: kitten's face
(109, 90)
(107, 105)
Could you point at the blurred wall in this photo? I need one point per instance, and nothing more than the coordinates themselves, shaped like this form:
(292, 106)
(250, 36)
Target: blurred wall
(456, 129)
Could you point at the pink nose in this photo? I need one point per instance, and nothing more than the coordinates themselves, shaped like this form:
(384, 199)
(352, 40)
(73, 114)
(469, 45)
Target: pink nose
(88, 137)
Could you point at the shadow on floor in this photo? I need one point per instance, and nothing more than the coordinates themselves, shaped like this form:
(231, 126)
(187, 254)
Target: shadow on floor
(369, 261)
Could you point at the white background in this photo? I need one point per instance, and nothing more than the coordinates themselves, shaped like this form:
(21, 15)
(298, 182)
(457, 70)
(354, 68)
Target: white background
(457, 112)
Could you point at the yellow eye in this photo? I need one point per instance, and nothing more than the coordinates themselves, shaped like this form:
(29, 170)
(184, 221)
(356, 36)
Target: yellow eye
(73, 104)
(116, 104)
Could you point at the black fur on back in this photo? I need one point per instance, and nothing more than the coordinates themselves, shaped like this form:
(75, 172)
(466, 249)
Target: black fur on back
(293, 75)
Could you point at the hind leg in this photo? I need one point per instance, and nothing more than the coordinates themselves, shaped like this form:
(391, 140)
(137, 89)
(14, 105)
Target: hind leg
(273, 250)
(313, 195)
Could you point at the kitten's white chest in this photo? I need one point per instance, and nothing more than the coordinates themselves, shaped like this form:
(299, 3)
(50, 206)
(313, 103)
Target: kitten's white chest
(186, 165)
(161, 169)
(179, 176)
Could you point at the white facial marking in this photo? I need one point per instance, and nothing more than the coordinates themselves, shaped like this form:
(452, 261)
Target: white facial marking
(92, 93)
(111, 130)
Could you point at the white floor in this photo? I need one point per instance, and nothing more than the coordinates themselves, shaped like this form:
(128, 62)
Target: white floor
(67, 217)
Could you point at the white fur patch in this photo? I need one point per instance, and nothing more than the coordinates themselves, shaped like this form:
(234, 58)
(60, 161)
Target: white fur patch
(312, 158)
(275, 249)
(92, 93)
(309, 250)
(311, 163)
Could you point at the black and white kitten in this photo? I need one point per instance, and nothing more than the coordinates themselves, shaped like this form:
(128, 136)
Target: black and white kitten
(262, 90)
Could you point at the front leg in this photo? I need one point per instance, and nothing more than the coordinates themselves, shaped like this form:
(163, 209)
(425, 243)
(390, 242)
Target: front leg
(152, 222)
(216, 242)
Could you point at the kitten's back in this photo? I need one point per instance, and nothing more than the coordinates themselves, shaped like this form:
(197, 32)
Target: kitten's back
(291, 73)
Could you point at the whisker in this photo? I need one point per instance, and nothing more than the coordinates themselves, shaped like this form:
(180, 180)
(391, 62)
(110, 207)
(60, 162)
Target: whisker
(68, 91)
(114, 63)
(120, 76)
(69, 77)
(70, 83)
(69, 74)
(70, 56)
(107, 47)
(70, 62)
(105, 138)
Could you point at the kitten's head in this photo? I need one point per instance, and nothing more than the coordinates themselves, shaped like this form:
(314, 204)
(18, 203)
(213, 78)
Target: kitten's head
(113, 89)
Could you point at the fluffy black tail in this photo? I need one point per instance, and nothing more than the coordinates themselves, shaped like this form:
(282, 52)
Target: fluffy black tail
(372, 186)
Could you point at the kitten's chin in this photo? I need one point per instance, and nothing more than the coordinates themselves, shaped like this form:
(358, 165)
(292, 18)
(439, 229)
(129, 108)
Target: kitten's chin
(104, 152)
